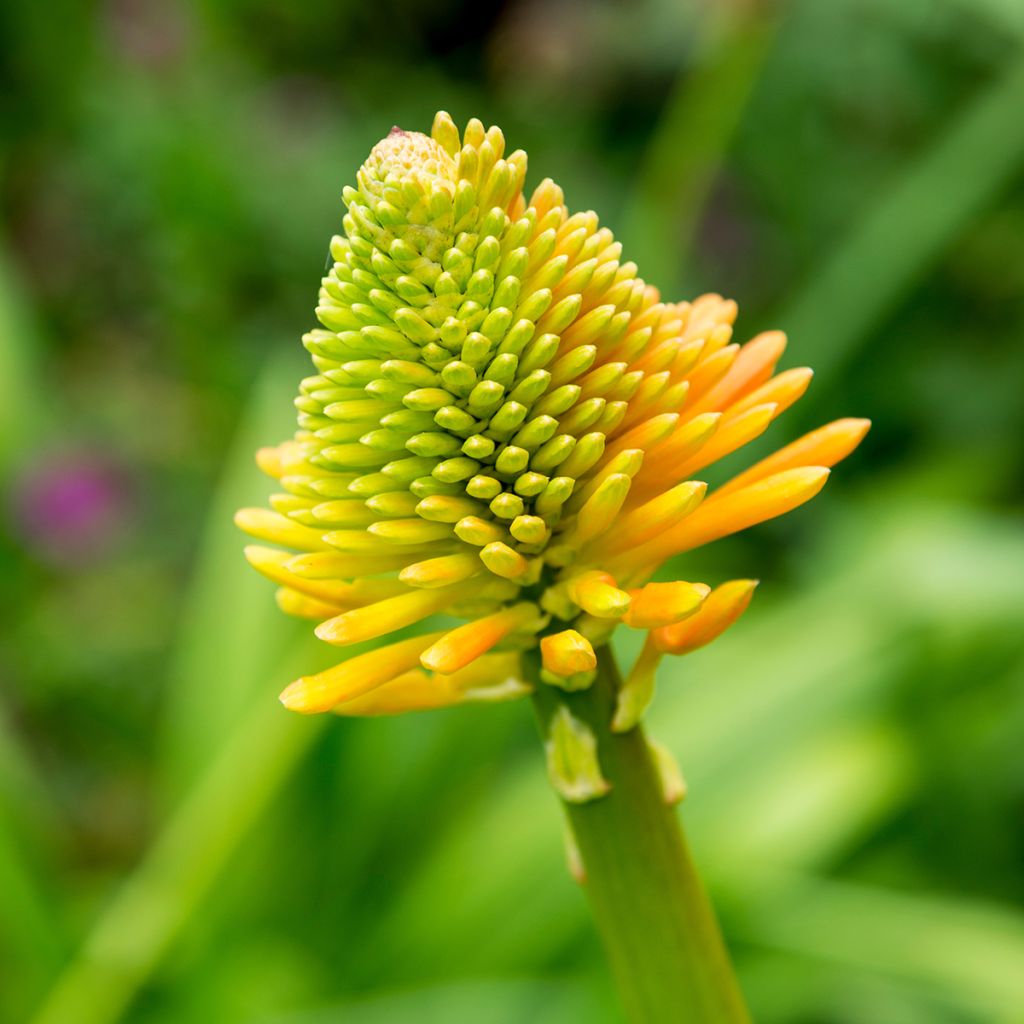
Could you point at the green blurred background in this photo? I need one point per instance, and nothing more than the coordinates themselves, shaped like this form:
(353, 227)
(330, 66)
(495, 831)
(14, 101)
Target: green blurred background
(176, 848)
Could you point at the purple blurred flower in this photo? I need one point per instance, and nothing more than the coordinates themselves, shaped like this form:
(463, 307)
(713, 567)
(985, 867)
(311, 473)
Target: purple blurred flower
(70, 507)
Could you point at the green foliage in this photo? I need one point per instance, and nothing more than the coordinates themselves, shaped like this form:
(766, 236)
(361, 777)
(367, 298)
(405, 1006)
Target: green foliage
(173, 847)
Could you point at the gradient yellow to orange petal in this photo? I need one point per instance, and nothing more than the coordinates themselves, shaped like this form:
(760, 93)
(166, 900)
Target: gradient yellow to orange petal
(722, 607)
(358, 675)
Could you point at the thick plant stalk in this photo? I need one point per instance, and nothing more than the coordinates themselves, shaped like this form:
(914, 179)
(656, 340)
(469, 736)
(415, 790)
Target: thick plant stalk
(652, 912)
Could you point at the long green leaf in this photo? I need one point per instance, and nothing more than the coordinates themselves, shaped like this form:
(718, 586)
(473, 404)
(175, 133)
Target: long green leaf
(895, 242)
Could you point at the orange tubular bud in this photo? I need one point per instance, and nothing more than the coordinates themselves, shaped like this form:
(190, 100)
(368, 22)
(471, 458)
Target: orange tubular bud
(822, 447)
(782, 390)
(354, 677)
(661, 604)
(595, 592)
(660, 467)
(386, 616)
(650, 518)
(709, 371)
(718, 517)
(723, 606)
(732, 434)
(752, 367)
(646, 434)
(567, 653)
(460, 647)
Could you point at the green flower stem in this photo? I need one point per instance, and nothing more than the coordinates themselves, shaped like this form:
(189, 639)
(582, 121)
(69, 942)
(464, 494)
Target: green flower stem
(653, 915)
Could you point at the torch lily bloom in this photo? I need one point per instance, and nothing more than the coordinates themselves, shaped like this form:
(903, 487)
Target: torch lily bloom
(507, 428)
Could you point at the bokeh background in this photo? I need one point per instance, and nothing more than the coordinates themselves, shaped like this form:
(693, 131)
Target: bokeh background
(174, 847)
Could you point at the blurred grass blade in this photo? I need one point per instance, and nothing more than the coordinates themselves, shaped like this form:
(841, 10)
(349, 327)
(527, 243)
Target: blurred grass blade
(150, 909)
(230, 627)
(893, 245)
(226, 753)
(30, 930)
(20, 404)
(481, 1001)
(971, 953)
(696, 127)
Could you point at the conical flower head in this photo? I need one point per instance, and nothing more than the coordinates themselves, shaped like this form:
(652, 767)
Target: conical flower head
(504, 426)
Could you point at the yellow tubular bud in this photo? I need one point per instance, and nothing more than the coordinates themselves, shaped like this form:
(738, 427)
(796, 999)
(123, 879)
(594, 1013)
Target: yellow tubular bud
(662, 604)
(439, 572)
(463, 645)
(822, 447)
(392, 532)
(354, 677)
(263, 524)
(269, 461)
(504, 561)
(271, 563)
(529, 529)
(601, 508)
(722, 607)
(638, 690)
(388, 615)
(596, 593)
(479, 532)
(499, 670)
(417, 690)
(567, 653)
(414, 690)
(323, 565)
(291, 602)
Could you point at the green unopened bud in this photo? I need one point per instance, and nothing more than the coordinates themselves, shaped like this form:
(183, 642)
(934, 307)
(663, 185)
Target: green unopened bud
(573, 767)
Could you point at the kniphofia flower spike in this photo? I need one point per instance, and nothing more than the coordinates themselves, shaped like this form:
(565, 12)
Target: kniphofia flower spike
(507, 426)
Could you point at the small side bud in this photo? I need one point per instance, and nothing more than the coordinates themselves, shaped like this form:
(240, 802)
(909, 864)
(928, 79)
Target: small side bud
(673, 785)
(573, 857)
(638, 690)
(573, 767)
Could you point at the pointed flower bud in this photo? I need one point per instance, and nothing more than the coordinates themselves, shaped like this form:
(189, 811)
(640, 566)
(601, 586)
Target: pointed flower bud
(502, 425)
